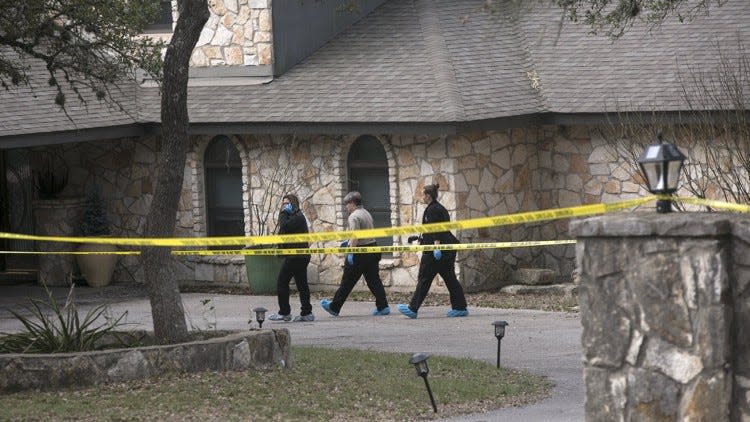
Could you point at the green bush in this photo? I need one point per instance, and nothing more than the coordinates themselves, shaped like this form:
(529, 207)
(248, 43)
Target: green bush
(52, 328)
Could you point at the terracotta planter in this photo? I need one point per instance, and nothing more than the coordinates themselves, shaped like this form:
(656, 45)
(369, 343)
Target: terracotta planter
(97, 269)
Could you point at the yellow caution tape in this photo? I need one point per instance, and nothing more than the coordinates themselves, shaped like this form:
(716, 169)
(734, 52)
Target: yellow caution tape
(375, 249)
(729, 206)
(335, 250)
(475, 223)
(70, 252)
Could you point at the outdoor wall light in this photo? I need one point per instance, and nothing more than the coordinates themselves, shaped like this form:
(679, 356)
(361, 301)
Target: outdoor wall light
(419, 360)
(661, 164)
(499, 333)
(260, 315)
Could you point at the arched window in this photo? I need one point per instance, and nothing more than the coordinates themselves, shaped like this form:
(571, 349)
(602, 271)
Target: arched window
(223, 170)
(368, 173)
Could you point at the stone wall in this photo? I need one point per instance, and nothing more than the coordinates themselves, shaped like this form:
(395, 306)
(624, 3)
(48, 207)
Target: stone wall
(255, 349)
(665, 314)
(238, 32)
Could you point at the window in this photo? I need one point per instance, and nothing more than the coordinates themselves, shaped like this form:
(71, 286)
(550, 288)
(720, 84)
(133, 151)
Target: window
(367, 165)
(223, 171)
(164, 22)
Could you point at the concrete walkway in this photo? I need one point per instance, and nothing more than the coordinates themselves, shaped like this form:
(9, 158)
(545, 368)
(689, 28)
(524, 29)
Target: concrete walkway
(546, 343)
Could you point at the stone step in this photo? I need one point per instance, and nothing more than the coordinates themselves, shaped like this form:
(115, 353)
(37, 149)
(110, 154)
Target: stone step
(567, 289)
(533, 276)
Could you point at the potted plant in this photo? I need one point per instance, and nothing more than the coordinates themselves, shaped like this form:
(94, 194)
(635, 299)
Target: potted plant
(50, 175)
(96, 268)
(272, 182)
(53, 215)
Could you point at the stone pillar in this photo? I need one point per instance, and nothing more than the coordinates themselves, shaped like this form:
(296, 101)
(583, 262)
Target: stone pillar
(657, 310)
(741, 324)
(56, 217)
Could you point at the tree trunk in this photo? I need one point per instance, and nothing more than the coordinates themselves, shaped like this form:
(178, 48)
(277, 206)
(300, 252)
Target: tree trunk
(166, 304)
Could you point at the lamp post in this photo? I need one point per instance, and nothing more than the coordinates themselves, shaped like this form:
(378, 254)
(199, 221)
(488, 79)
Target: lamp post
(260, 315)
(661, 164)
(419, 360)
(499, 334)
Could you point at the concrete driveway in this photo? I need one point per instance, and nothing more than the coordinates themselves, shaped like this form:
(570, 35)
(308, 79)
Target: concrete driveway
(546, 343)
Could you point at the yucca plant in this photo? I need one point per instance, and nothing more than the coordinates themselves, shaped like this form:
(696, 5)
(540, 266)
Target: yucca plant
(52, 328)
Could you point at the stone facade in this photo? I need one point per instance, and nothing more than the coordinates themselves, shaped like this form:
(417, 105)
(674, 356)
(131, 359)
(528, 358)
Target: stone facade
(238, 32)
(664, 309)
(480, 174)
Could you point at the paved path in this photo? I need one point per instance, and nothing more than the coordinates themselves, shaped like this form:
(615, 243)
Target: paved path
(546, 343)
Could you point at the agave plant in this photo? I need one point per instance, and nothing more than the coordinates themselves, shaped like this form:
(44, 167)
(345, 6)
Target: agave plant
(52, 328)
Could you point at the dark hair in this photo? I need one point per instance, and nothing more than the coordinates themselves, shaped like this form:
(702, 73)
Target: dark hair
(353, 196)
(292, 198)
(432, 190)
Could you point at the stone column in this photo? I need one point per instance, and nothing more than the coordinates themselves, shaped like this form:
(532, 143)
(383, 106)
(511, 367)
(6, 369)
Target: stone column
(741, 325)
(56, 217)
(657, 313)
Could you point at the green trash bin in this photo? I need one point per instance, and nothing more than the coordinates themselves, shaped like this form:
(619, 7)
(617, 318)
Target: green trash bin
(262, 271)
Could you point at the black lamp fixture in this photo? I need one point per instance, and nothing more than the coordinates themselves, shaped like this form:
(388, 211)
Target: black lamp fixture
(499, 334)
(260, 315)
(419, 360)
(661, 164)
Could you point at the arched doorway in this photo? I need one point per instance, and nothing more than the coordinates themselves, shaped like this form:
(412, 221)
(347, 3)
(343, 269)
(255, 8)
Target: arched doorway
(223, 172)
(367, 167)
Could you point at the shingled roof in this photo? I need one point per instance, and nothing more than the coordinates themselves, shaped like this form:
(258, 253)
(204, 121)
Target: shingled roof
(440, 62)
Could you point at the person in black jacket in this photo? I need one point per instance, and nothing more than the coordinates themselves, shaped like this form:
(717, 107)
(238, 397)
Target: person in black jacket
(436, 261)
(292, 220)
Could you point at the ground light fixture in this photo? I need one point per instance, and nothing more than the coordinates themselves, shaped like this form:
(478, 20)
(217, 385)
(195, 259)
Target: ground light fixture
(260, 315)
(419, 360)
(499, 334)
(661, 165)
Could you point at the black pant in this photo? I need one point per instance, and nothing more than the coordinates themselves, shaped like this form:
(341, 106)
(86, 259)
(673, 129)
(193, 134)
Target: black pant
(429, 267)
(295, 266)
(366, 264)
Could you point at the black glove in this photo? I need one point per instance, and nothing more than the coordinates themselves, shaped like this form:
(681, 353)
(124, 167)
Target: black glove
(412, 238)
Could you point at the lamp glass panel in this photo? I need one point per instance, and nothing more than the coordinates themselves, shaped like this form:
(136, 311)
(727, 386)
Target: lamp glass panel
(661, 173)
(673, 174)
(653, 173)
(422, 368)
(499, 330)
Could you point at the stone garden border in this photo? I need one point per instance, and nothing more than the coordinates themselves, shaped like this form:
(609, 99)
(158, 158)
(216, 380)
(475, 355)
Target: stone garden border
(253, 349)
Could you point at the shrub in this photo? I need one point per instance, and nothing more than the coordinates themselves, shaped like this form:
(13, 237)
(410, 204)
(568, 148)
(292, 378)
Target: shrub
(52, 328)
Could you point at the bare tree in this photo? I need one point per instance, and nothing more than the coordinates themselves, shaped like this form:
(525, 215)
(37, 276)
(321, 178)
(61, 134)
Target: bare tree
(714, 131)
(615, 16)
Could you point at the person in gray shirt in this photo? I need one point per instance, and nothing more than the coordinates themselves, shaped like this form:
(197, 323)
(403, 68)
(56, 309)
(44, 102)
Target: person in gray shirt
(357, 265)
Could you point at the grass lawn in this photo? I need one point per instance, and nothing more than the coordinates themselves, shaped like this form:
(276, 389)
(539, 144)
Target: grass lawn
(324, 384)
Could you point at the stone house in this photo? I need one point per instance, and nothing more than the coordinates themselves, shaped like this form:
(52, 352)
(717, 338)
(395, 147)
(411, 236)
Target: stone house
(509, 110)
